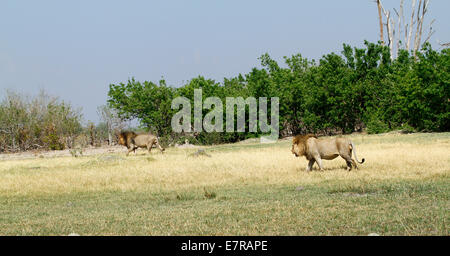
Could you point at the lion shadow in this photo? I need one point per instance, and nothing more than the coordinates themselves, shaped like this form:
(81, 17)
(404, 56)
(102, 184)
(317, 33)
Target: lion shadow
(325, 169)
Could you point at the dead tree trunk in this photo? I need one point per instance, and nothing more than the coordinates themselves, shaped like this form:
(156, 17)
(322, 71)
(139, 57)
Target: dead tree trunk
(390, 26)
(420, 17)
(399, 31)
(381, 22)
(416, 23)
(416, 36)
(411, 24)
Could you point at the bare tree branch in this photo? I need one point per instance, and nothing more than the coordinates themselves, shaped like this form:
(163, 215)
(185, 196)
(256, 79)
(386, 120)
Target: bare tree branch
(411, 24)
(390, 26)
(430, 33)
(420, 18)
(416, 36)
(399, 32)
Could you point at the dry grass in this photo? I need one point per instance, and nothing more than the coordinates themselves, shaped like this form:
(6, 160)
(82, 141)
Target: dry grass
(246, 189)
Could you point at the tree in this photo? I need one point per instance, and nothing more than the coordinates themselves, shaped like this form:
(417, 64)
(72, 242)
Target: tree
(111, 120)
(148, 102)
(361, 88)
(381, 22)
(416, 24)
(35, 122)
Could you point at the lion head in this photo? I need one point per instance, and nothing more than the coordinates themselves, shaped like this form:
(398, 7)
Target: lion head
(299, 144)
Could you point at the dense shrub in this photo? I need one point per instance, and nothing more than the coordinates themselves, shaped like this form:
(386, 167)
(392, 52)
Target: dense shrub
(37, 122)
(360, 89)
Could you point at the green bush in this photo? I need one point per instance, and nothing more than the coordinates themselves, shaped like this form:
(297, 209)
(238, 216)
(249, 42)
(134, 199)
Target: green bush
(375, 126)
(361, 88)
(406, 128)
(37, 122)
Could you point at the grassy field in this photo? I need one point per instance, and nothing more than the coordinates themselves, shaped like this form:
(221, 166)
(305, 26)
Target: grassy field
(403, 188)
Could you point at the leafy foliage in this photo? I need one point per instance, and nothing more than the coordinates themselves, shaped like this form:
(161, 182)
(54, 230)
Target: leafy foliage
(360, 89)
(39, 122)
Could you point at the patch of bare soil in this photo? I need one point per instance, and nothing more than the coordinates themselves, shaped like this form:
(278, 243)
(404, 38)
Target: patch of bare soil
(61, 153)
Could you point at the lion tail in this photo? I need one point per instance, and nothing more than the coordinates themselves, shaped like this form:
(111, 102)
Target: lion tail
(354, 153)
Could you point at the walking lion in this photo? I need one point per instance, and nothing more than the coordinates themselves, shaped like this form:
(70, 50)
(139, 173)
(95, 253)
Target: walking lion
(315, 150)
(133, 141)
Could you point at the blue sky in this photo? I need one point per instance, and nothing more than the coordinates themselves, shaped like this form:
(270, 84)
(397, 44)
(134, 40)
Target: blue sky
(75, 49)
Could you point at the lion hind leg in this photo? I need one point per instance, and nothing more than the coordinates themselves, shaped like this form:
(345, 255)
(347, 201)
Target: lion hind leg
(149, 146)
(349, 161)
(349, 165)
(159, 146)
(354, 163)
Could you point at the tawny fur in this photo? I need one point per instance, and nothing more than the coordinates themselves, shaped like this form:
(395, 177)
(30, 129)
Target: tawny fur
(133, 141)
(315, 150)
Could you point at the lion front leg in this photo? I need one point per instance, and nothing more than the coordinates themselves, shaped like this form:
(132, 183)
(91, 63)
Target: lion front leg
(310, 165)
(131, 149)
(319, 162)
(149, 146)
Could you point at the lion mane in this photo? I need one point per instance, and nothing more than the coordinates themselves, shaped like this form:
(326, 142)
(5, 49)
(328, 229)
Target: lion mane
(126, 138)
(300, 141)
(134, 141)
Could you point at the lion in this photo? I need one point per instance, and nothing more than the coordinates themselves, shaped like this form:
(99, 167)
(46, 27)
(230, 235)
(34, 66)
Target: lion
(133, 141)
(315, 150)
